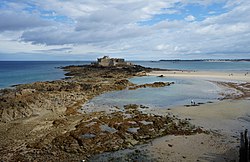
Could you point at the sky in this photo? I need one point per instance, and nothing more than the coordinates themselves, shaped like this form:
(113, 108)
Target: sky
(130, 29)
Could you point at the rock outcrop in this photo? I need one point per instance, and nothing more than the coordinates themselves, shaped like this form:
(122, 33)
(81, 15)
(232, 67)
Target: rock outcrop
(102, 132)
(40, 121)
(151, 85)
(85, 82)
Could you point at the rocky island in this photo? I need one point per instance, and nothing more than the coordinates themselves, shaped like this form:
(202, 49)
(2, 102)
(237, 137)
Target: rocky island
(40, 121)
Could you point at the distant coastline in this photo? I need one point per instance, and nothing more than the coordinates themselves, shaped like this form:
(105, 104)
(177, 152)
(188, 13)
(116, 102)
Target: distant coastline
(212, 60)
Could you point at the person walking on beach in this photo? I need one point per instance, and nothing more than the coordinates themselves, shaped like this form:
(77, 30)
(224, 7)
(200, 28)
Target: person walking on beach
(192, 102)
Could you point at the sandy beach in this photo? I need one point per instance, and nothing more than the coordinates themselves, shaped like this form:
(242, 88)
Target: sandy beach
(41, 121)
(124, 81)
(226, 119)
(208, 75)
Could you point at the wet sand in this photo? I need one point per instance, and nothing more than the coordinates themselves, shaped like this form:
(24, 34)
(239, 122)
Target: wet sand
(224, 119)
(33, 136)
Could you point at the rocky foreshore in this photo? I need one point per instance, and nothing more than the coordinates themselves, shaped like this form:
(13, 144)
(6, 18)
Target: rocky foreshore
(40, 121)
(241, 90)
(84, 83)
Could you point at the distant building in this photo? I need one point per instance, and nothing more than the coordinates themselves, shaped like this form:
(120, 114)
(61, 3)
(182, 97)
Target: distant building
(107, 61)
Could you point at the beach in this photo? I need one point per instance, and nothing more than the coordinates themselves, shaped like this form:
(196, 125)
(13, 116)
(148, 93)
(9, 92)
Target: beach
(48, 121)
(208, 75)
(127, 81)
(41, 121)
(226, 119)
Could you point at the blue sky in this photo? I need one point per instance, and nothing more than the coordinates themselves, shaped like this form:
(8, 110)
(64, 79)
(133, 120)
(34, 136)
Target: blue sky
(199, 12)
(135, 30)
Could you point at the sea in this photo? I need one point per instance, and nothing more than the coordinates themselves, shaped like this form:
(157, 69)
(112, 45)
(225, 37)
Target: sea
(180, 93)
(21, 72)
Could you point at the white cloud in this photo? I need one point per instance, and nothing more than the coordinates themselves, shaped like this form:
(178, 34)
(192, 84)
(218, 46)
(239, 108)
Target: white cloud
(190, 18)
(20, 21)
(101, 26)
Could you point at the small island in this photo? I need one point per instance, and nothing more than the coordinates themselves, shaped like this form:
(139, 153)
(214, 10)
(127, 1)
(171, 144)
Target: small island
(106, 61)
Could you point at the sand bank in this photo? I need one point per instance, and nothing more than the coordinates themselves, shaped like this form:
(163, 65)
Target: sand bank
(208, 75)
(226, 119)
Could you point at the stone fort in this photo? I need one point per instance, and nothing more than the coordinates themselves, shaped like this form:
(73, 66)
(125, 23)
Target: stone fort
(107, 61)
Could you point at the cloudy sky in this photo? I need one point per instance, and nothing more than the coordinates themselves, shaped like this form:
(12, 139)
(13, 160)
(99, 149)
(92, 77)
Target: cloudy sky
(133, 29)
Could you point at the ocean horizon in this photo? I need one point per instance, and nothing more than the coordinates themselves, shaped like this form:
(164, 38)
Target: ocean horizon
(124, 80)
(22, 72)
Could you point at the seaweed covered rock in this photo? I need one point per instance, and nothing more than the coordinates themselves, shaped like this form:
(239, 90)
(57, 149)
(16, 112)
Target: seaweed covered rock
(151, 85)
(108, 132)
(62, 95)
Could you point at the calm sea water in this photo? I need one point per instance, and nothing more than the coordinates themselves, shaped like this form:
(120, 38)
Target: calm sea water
(180, 93)
(198, 65)
(19, 72)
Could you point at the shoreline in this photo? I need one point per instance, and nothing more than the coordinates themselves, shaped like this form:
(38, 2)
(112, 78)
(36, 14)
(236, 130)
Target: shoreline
(40, 121)
(224, 119)
(48, 120)
(207, 75)
(227, 118)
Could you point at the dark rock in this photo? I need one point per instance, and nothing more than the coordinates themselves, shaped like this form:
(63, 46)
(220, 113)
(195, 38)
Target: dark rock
(153, 85)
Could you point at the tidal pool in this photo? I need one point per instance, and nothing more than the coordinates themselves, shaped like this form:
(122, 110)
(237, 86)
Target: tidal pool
(180, 93)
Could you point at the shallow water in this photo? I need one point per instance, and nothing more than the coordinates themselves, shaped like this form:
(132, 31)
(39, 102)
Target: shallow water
(180, 93)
